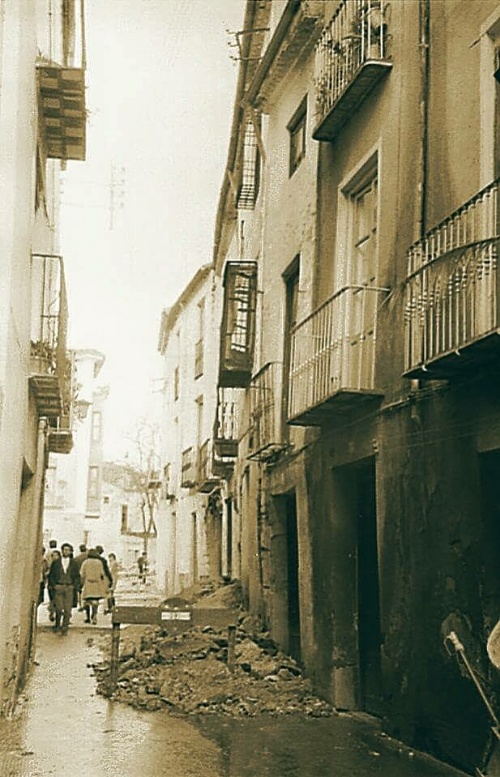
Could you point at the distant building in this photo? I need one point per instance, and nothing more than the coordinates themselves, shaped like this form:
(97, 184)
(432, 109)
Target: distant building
(124, 516)
(192, 524)
(42, 126)
(73, 486)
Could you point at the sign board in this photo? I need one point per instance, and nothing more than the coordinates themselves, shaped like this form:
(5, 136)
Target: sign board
(175, 615)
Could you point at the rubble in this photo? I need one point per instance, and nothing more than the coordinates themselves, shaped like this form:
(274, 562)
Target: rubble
(188, 673)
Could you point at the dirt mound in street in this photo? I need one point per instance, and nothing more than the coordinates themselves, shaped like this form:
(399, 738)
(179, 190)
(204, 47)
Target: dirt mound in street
(189, 674)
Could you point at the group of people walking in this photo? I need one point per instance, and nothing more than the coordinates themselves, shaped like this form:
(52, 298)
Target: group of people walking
(77, 581)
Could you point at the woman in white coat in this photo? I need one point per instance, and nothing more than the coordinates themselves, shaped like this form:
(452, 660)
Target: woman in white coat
(95, 585)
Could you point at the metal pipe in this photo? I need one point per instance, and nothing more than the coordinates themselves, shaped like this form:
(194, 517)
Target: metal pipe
(424, 35)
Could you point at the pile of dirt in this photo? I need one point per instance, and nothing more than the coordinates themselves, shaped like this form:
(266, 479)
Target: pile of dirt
(189, 674)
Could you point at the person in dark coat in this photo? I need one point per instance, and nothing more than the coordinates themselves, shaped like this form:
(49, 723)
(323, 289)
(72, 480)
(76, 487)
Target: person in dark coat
(107, 572)
(64, 579)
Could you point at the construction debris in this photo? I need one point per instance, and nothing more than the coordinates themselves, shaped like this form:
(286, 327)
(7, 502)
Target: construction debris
(188, 673)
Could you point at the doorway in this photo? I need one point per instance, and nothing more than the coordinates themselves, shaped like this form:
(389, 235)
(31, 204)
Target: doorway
(285, 562)
(355, 587)
(489, 472)
(369, 636)
(228, 570)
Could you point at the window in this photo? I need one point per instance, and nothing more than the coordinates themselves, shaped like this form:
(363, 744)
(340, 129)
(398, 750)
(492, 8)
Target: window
(124, 521)
(198, 355)
(96, 426)
(176, 383)
(50, 486)
(364, 233)
(93, 483)
(199, 420)
(297, 131)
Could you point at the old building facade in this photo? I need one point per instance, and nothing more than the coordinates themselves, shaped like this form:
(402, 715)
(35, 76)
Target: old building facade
(42, 123)
(189, 517)
(356, 244)
(73, 503)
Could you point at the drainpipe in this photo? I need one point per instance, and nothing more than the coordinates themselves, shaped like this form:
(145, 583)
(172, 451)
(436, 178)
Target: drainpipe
(424, 37)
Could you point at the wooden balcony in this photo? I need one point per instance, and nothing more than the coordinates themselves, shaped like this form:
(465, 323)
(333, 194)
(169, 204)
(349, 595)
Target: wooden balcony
(333, 356)
(62, 111)
(226, 432)
(206, 480)
(238, 324)
(60, 436)
(266, 439)
(188, 468)
(452, 314)
(50, 368)
(351, 58)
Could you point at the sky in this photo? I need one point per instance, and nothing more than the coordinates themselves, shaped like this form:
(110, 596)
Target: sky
(138, 215)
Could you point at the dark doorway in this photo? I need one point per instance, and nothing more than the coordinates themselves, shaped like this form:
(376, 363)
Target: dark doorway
(292, 542)
(285, 625)
(229, 539)
(489, 469)
(194, 561)
(355, 587)
(368, 588)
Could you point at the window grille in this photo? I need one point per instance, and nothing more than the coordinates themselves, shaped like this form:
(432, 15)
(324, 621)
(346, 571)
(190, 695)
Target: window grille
(249, 188)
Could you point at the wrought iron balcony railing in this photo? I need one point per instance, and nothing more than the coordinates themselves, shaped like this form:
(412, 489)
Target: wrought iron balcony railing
(333, 355)
(238, 324)
(188, 468)
(451, 315)
(351, 57)
(50, 367)
(266, 434)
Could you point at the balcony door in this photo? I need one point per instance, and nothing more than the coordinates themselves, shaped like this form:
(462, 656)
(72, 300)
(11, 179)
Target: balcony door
(359, 276)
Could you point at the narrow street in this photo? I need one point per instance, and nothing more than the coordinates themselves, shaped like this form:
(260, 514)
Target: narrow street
(62, 724)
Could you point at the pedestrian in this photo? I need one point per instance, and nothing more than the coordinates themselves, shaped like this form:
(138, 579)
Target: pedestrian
(94, 584)
(44, 570)
(80, 558)
(50, 555)
(64, 580)
(142, 563)
(100, 551)
(113, 568)
(54, 556)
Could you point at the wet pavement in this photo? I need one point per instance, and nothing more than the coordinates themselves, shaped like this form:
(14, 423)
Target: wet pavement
(63, 726)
